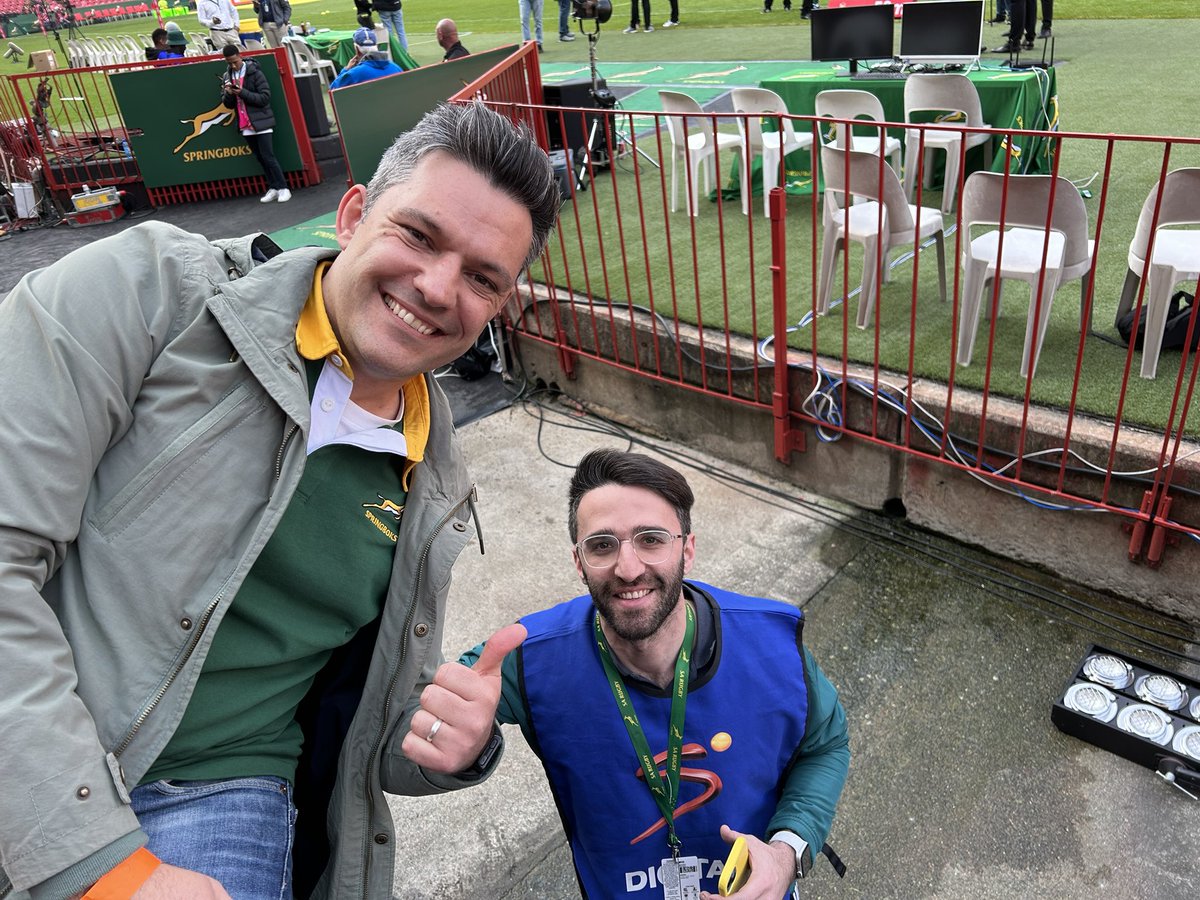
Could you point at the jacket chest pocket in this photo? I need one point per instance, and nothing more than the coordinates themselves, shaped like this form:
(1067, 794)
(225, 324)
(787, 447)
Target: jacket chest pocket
(194, 467)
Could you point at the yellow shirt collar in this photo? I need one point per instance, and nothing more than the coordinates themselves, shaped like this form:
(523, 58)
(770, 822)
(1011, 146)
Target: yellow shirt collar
(315, 340)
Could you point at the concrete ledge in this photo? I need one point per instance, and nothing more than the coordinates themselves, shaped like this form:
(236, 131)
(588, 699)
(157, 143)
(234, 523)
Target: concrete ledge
(1091, 548)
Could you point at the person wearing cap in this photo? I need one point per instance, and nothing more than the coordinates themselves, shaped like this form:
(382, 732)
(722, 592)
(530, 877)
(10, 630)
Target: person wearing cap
(447, 38)
(220, 17)
(273, 18)
(244, 88)
(368, 62)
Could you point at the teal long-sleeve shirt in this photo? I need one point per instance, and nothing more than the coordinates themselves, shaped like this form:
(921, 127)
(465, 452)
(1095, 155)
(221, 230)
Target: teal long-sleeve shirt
(812, 784)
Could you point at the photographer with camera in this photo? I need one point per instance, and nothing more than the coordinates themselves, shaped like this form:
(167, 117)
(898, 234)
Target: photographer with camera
(244, 88)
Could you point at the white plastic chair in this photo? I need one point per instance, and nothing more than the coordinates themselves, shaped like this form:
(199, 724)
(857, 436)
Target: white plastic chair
(309, 61)
(942, 93)
(860, 222)
(846, 105)
(772, 146)
(1026, 253)
(695, 150)
(1176, 257)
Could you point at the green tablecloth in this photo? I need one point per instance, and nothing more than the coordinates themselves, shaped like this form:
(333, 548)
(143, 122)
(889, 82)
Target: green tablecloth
(339, 46)
(1020, 99)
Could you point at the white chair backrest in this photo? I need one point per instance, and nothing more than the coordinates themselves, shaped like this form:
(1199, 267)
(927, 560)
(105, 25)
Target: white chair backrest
(674, 102)
(949, 91)
(848, 104)
(1180, 206)
(763, 102)
(1027, 206)
(863, 174)
(298, 63)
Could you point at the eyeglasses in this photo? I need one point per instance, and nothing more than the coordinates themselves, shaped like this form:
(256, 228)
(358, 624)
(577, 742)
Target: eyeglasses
(600, 551)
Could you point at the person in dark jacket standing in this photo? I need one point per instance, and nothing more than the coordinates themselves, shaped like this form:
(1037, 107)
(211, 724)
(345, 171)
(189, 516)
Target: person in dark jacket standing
(273, 18)
(244, 88)
(392, 17)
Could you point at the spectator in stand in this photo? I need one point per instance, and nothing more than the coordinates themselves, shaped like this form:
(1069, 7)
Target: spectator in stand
(368, 63)
(244, 88)
(532, 9)
(633, 17)
(220, 17)
(564, 21)
(447, 38)
(392, 17)
(176, 45)
(273, 18)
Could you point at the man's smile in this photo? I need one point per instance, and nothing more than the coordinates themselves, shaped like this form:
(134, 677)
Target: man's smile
(407, 317)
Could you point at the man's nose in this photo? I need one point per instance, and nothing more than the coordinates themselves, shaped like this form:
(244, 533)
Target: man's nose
(438, 280)
(629, 566)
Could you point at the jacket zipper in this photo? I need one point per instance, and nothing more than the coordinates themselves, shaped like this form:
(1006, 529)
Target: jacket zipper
(391, 690)
(200, 629)
(165, 686)
(287, 439)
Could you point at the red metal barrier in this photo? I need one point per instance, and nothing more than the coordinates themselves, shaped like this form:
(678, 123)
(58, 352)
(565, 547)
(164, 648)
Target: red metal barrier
(676, 298)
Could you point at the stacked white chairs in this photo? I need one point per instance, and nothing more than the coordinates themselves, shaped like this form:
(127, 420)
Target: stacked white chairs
(752, 104)
(1175, 257)
(947, 93)
(1046, 250)
(307, 61)
(882, 221)
(695, 151)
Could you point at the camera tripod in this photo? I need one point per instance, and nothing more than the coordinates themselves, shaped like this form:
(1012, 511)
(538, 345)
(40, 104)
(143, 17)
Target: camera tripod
(613, 137)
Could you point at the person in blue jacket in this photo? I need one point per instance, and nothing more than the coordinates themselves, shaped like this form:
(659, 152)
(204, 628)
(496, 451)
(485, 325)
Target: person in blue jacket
(368, 62)
(672, 717)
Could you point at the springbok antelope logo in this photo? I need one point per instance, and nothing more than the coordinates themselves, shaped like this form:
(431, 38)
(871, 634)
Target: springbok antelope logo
(218, 115)
(387, 506)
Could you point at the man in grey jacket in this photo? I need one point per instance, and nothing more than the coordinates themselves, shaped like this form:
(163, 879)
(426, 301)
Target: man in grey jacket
(273, 18)
(230, 502)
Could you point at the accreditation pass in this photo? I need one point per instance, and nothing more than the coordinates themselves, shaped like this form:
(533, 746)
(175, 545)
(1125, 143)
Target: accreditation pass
(681, 878)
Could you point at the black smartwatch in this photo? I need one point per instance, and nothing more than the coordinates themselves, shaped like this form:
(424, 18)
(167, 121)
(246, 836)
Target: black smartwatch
(490, 749)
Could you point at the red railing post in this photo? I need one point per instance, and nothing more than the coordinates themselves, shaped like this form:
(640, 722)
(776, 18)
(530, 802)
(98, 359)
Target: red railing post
(787, 439)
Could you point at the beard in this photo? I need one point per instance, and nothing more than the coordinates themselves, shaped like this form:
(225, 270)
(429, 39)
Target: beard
(637, 625)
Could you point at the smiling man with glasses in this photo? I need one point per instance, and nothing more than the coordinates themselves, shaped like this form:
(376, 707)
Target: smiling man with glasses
(672, 716)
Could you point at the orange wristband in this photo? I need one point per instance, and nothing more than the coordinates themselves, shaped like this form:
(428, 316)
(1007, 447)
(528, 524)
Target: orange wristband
(123, 881)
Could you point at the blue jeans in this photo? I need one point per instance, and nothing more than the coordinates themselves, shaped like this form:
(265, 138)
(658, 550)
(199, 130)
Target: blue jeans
(238, 831)
(393, 21)
(564, 17)
(531, 8)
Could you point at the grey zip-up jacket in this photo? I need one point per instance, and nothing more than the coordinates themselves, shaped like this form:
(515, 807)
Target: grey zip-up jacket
(152, 432)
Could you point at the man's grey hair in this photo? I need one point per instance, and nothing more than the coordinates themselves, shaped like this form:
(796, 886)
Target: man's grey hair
(503, 152)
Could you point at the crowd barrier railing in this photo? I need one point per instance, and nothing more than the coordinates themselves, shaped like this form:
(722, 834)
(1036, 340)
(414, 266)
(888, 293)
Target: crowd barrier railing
(729, 305)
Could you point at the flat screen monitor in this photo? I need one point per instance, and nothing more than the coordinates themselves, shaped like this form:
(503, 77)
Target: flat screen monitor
(941, 31)
(852, 33)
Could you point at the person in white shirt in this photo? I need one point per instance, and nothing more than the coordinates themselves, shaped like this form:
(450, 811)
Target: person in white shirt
(220, 17)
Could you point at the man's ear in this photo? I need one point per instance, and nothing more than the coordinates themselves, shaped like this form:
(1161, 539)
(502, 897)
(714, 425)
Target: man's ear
(350, 214)
(689, 552)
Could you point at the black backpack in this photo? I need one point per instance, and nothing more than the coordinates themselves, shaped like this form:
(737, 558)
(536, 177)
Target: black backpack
(1175, 332)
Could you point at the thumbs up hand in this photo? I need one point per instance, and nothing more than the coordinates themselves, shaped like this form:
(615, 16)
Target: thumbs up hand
(458, 707)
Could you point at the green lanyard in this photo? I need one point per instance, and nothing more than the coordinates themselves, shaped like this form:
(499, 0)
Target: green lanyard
(665, 795)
